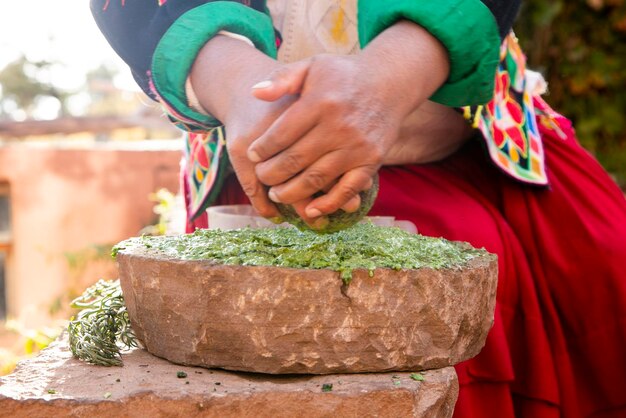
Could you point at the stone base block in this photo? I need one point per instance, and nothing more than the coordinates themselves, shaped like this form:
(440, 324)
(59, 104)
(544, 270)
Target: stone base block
(56, 385)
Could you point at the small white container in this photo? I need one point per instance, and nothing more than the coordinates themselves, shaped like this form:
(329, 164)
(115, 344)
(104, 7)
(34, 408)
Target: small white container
(237, 216)
(241, 216)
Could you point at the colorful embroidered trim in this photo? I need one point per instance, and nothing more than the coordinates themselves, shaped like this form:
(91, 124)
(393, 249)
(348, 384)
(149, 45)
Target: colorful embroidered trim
(204, 168)
(509, 121)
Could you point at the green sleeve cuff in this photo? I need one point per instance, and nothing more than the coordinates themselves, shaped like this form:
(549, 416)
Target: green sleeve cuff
(177, 50)
(466, 28)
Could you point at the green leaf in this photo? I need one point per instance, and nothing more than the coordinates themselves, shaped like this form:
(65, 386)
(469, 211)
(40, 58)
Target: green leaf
(417, 376)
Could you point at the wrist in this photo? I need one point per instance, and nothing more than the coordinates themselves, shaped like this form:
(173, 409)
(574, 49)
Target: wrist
(410, 62)
(223, 73)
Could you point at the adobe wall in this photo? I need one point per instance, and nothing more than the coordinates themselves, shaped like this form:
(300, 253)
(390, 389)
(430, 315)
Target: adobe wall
(66, 201)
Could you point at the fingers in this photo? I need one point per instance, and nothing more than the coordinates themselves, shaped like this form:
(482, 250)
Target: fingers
(320, 222)
(257, 194)
(288, 79)
(292, 125)
(313, 179)
(343, 193)
(251, 186)
(352, 205)
(316, 223)
(291, 161)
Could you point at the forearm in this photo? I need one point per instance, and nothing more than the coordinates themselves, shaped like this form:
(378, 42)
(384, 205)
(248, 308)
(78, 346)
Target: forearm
(218, 86)
(414, 63)
(429, 134)
(470, 30)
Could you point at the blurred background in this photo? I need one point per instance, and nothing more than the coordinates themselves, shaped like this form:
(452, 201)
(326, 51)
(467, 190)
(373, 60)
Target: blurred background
(86, 160)
(580, 47)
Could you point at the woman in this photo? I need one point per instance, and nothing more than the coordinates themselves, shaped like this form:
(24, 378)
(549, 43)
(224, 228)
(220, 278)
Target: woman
(394, 98)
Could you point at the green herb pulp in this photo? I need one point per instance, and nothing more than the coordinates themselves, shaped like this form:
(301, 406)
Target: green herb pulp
(364, 246)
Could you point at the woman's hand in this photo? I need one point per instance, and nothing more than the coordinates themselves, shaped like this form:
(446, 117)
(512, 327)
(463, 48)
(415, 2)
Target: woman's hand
(337, 132)
(225, 92)
(347, 118)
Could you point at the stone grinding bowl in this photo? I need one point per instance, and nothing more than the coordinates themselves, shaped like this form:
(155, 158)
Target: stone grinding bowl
(284, 320)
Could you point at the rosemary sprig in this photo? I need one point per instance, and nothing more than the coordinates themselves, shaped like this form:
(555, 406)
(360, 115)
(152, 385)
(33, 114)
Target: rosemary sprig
(102, 327)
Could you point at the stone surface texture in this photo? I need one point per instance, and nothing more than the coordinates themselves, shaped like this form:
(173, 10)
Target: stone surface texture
(282, 320)
(56, 385)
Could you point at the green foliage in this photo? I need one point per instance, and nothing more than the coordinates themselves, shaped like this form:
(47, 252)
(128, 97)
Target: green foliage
(163, 208)
(27, 342)
(24, 82)
(580, 46)
(77, 261)
(34, 340)
(102, 327)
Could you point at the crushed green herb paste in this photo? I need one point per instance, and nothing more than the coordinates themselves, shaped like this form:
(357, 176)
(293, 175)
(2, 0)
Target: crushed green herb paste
(364, 246)
(338, 220)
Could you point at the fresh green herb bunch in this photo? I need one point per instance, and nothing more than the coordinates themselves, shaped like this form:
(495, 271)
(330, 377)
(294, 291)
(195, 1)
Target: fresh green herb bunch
(102, 327)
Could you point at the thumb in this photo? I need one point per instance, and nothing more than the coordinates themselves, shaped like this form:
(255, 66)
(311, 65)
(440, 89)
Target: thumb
(286, 80)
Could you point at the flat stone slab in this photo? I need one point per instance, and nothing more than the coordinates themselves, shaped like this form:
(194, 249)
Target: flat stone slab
(56, 385)
(283, 320)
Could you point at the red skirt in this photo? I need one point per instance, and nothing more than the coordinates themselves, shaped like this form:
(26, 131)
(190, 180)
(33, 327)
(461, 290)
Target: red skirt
(558, 344)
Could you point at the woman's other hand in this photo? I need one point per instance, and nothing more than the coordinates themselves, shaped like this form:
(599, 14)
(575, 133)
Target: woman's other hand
(347, 118)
